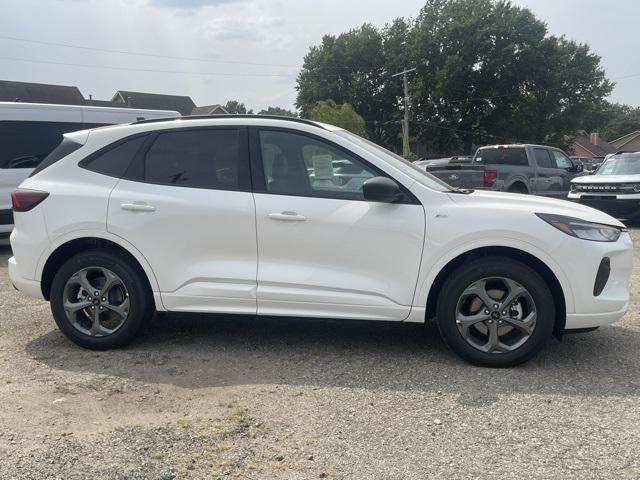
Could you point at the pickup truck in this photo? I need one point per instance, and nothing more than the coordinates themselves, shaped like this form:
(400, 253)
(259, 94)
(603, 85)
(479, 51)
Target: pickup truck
(518, 168)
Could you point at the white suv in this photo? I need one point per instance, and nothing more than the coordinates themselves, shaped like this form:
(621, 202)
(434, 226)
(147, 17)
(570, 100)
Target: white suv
(233, 215)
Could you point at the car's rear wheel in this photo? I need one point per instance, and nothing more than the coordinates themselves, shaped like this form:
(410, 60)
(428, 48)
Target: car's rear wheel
(99, 301)
(518, 188)
(495, 312)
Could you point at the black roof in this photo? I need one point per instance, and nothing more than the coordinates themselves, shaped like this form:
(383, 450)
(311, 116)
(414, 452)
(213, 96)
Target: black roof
(155, 101)
(39, 93)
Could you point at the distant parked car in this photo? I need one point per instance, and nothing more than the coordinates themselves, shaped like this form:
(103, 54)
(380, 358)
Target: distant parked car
(537, 169)
(590, 164)
(518, 168)
(614, 188)
(30, 131)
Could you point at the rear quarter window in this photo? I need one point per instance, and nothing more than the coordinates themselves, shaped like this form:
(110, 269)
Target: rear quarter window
(114, 160)
(66, 147)
(502, 156)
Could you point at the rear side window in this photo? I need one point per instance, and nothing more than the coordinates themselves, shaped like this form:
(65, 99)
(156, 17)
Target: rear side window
(206, 158)
(115, 161)
(67, 147)
(502, 156)
(543, 158)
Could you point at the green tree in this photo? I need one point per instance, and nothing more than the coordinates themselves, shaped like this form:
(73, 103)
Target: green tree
(280, 112)
(343, 116)
(622, 124)
(234, 107)
(352, 68)
(487, 72)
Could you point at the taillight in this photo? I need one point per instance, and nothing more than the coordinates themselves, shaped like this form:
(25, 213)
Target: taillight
(23, 200)
(489, 177)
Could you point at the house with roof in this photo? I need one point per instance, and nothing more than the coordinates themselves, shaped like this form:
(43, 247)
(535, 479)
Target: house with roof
(210, 110)
(27, 92)
(628, 143)
(590, 145)
(154, 101)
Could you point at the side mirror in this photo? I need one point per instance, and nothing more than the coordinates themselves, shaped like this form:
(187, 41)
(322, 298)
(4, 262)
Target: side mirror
(381, 189)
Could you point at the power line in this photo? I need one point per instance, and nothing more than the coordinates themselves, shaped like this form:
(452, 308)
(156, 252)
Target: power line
(145, 54)
(131, 69)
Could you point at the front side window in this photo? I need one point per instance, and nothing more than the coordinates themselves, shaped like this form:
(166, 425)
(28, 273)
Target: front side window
(296, 164)
(206, 158)
(561, 160)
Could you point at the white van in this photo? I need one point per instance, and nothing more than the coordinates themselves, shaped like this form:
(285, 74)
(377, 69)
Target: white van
(30, 131)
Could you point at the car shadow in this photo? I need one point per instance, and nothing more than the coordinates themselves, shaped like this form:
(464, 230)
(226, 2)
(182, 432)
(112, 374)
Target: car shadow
(199, 351)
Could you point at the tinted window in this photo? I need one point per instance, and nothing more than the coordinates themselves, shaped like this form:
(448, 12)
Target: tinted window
(503, 156)
(115, 161)
(26, 144)
(300, 165)
(543, 158)
(208, 158)
(561, 160)
(67, 147)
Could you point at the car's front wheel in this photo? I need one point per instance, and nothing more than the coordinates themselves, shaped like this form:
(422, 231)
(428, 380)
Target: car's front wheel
(495, 312)
(100, 301)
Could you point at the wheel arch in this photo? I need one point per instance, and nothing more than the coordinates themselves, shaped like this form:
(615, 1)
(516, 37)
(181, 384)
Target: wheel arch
(69, 246)
(527, 258)
(519, 182)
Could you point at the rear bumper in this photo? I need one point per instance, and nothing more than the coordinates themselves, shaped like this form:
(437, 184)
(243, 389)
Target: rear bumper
(30, 288)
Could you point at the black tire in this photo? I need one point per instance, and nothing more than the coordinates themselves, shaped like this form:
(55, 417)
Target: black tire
(141, 304)
(518, 188)
(486, 267)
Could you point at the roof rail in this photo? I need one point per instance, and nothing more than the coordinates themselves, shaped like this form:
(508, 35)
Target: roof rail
(209, 117)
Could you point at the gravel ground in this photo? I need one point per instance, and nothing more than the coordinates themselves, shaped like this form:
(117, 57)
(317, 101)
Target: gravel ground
(224, 397)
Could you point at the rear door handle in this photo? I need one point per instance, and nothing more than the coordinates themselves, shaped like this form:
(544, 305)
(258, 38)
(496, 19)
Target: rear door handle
(137, 207)
(287, 217)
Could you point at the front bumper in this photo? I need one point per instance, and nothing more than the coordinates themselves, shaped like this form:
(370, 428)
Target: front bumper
(30, 288)
(620, 206)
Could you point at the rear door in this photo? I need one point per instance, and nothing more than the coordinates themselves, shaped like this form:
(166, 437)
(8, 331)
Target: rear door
(323, 250)
(186, 204)
(548, 180)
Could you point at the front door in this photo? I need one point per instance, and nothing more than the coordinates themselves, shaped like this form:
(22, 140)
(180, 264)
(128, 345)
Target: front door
(186, 204)
(324, 251)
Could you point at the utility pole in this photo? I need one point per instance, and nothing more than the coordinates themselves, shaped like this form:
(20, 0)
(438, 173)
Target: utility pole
(407, 109)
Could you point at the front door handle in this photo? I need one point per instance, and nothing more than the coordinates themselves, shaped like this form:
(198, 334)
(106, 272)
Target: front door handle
(137, 207)
(287, 217)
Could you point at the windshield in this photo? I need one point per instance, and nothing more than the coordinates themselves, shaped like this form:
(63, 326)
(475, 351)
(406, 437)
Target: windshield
(620, 166)
(406, 167)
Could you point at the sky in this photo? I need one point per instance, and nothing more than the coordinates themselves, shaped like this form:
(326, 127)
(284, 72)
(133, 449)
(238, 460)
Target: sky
(249, 50)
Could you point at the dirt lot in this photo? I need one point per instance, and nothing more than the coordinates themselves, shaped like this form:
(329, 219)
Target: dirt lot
(201, 397)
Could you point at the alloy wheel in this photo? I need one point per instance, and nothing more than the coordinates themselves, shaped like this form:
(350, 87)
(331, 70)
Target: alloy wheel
(96, 301)
(496, 315)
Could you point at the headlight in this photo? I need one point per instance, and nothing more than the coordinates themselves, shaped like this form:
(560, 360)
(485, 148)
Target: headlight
(573, 187)
(575, 227)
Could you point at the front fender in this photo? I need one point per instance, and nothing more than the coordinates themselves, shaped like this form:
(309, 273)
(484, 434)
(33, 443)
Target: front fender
(430, 272)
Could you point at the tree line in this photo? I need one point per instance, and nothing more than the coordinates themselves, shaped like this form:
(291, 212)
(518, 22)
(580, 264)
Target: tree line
(487, 71)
